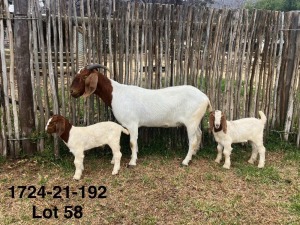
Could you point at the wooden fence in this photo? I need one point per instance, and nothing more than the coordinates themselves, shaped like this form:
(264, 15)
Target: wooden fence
(244, 61)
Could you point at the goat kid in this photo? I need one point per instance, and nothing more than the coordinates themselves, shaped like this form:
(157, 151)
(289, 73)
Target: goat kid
(80, 139)
(134, 106)
(237, 131)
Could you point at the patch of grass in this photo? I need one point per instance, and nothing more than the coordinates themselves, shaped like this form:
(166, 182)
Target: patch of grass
(4, 180)
(293, 155)
(66, 164)
(10, 220)
(2, 160)
(274, 142)
(160, 147)
(149, 220)
(212, 177)
(208, 152)
(116, 182)
(267, 174)
(295, 204)
(235, 201)
(207, 208)
(146, 179)
(42, 179)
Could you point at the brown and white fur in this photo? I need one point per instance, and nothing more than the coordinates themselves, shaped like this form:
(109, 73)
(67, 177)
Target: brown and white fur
(80, 139)
(237, 131)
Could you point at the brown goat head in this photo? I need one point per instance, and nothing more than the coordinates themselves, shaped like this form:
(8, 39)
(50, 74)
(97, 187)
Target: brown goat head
(60, 125)
(86, 80)
(217, 121)
(78, 85)
(56, 124)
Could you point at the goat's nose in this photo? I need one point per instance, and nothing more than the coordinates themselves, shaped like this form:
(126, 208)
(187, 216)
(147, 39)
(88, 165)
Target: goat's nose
(71, 91)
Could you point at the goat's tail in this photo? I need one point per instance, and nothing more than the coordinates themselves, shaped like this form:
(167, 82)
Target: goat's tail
(209, 107)
(263, 117)
(125, 131)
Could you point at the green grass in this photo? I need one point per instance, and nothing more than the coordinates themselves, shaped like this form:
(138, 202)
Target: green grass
(149, 220)
(207, 208)
(213, 177)
(268, 174)
(274, 143)
(2, 160)
(295, 203)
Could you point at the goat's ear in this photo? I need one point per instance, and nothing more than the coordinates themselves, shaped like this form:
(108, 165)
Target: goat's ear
(90, 84)
(211, 120)
(60, 126)
(224, 123)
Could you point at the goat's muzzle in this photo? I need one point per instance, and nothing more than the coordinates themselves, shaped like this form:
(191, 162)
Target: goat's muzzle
(75, 94)
(217, 126)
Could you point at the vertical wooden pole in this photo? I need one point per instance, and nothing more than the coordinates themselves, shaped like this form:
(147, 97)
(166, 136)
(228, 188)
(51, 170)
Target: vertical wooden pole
(21, 40)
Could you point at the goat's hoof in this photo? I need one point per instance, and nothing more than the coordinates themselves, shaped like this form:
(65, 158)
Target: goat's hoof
(260, 166)
(226, 167)
(251, 161)
(76, 178)
(185, 162)
(217, 161)
(132, 163)
(114, 173)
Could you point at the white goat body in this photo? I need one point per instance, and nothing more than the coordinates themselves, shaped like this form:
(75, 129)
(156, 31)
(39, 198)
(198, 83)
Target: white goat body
(167, 107)
(237, 131)
(135, 107)
(80, 139)
(242, 130)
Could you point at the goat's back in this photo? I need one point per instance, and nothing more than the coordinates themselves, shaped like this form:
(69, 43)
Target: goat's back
(94, 135)
(163, 107)
(247, 129)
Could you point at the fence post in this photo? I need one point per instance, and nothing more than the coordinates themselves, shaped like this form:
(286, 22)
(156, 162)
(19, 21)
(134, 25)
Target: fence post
(22, 72)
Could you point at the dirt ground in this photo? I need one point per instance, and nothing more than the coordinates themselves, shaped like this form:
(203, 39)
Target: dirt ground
(157, 191)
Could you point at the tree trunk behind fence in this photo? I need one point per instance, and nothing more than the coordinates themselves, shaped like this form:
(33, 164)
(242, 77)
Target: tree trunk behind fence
(26, 115)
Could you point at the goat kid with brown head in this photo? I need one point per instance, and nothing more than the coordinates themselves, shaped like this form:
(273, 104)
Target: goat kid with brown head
(134, 106)
(80, 139)
(238, 131)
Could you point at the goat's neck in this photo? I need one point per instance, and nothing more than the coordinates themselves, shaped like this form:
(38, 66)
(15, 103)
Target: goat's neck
(65, 135)
(104, 89)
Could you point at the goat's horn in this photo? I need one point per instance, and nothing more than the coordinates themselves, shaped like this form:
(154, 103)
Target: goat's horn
(94, 66)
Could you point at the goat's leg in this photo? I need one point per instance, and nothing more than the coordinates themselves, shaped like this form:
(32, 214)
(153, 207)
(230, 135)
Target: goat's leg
(192, 145)
(78, 161)
(253, 154)
(117, 158)
(219, 156)
(262, 152)
(199, 137)
(133, 145)
(227, 152)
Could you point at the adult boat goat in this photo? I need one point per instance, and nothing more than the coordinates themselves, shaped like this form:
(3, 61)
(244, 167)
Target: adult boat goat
(134, 106)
